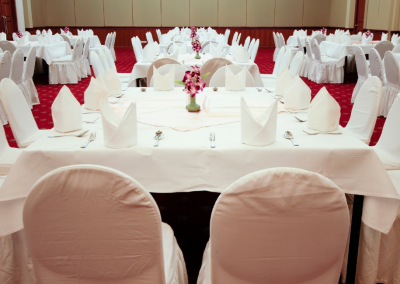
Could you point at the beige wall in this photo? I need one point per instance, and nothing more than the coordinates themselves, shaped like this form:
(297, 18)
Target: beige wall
(118, 13)
(204, 13)
(175, 13)
(28, 13)
(60, 13)
(260, 13)
(378, 14)
(146, 13)
(317, 13)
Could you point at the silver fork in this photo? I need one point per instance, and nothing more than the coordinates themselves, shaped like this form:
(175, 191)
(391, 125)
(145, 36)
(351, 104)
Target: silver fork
(322, 132)
(92, 121)
(268, 90)
(76, 135)
(212, 139)
(91, 139)
(118, 97)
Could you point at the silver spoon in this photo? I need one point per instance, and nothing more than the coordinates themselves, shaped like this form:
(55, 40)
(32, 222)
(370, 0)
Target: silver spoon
(212, 139)
(91, 139)
(322, 132)
(159, 136)
(76, 135)
(92, 121)
(276, 98)
(258, 89)
(268, 90)
(301, 120)
(289, 135)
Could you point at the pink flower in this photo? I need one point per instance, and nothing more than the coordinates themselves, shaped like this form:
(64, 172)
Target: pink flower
(19, 34)
(196, 69)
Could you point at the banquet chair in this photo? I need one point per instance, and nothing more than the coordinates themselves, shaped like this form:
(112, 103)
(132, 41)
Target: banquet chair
(165, 69)
(297, 63)
(65, 69)
(27, 81)
(365, 109)
(269, 79)
(109, 220)
(65, 38)
(107, 43)
(5, 65)
(205, 48)
(19, 115)
(112, 44)
(218, 78)
(388, 146)
(16, 72)
(277, 47)
(8, 155)
(254, 51)
(234, 38)
(396, 49)
(251, 46)
(310, 66)
(303, 70)
(137, 49)
(355, 37)
(97, 65)
(280, 225)
(84, 61)
(319, 38)
(15, 37)
(362, 70)
(104, 60)
(392, 85)
(384, 46)
(376, 66)
(123, 76)
(247, 43)
(157, 64)
(6, 45)
(212, 65)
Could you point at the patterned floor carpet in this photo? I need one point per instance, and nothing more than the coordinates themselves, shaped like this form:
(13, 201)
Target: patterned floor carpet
(126, 60)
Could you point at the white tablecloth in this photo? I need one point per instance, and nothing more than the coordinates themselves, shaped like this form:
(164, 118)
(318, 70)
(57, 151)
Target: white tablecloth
(292, 40)
(48, 51)
(185, 162)
(140, 68)
(94, 40)
(348, 49)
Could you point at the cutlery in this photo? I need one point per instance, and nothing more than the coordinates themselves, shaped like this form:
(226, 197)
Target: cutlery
(90, 112)
(258, 89)
(159, 136)
(277, 99)
(76, 135)
(289, 135)
(212, 139)
(301, 120)
(322, 132)
(268, 90)
(91, 139)
(119, 95)
(92, 121)
(294, 112)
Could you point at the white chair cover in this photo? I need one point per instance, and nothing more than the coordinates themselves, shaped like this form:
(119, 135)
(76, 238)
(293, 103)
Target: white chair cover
(376, 65)
(19, 115)
(119, 237)
(310, 66)
(5, 65)
(384, 37)
(84, 62)
(165, 69)
(251, 46)
(284, 224)
(212, 65)
(104, 60)
(8, 155)
(392, 86)
(246, 43)
(384, 46)
(362, 70)
(255, 50)
(297, 63)
(218, 78)
(365, 109)
(112, 44)
(29, 69)
(234, 39)
(17, 68)
(97, 65)
(396, 49)
(277, 47)
(6, 45)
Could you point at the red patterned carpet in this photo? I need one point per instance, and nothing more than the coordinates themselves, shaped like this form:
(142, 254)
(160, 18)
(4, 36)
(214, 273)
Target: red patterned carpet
(126, 60)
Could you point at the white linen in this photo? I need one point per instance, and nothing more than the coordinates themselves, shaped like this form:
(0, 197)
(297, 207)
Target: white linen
(112, 82)
(66, 112)
(164, 82)
(96, 92)
(297, 94)
(235, 82)
(48, 51)
(259, 130)
(174, 55)
(282, 82)
(242, 55)
(148, 53)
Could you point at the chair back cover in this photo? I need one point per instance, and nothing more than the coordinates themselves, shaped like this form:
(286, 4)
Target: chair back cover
(246, 43)
(86, 49)
(376, 65)
(285, 62)
(320, 38)
(254, 51)
(6, 45)
(78, 50)
(309, 50)
(98, 224)
(158, 63)
(365, 109)
(392, 70)
(281, 225)
(165, 69)
(316, 50)
(384, 46)
(278, 61)
(234, 39)
(97, 66)
(108, 40)
(29, 68)
(18, 111)
(65, 38)
(396, 49)
(212, 65)
(5, 65)
(251, 46)
(361, 61)
(17, 66)
(110, 59)
(104, 60)
(296, 63)
(218, 79)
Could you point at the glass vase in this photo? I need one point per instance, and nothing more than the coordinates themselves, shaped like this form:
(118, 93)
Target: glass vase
(197, 55)
(193, 106)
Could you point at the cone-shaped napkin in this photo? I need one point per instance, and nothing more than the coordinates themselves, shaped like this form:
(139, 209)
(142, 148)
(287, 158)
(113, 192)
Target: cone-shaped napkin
(242, 55)
(174, 55)
(66, 112)
(282, 82)
(94, 93)
(119, 132)
(112, 82)
(235, 82)
(297, 94)
(164, 82)
(324, 112)
(218, 51)
(261, 130)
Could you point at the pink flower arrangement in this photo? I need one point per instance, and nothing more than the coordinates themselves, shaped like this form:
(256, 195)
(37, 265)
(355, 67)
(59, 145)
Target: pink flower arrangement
(193, 81)
(368, 34)
(20, 34)
(323, 30)
(193, 32)
(196, 45)
(66, 30)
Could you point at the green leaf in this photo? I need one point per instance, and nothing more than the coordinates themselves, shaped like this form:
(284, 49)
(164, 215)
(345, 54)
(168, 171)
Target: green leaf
(180, 82)
(205, 75)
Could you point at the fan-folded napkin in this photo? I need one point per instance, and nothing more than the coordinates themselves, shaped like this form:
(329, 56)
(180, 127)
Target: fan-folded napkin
(297, 94)
(242, 55)
(164, 82)
(366, 40)
(282, 82)
(235, 82)
(260, 130)
(112, 82)
(217, 51)
(66, 112)
(95, 93)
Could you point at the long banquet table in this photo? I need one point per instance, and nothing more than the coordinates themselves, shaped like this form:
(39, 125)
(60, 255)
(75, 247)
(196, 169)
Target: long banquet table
(184, 161)
(47, 52)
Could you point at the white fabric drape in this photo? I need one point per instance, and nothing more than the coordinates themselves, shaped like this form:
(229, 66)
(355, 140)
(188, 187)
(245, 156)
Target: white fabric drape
(20, 15)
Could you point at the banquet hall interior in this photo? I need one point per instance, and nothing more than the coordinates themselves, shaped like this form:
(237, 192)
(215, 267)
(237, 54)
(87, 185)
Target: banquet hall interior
(200, 141)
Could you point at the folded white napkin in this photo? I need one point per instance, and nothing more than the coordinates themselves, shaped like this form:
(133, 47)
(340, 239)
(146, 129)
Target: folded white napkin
(148, 53)
(346, 39)
(218, 51)
(297, 94)
(366, 41)
(91, 33)
(282, 82)
(173, 55)
(235, 82)
(38, 32)
(331, 38)
(384, 37)
(119, 132)
(50, 32)
(156, 48)
(21, 41)
(324, 112)
(338, 38)
(66, 112)
(242, 55)
(112, 82)
(181, 49)
(164, 82)
(42, 40)
(94, 93)
(261, 130)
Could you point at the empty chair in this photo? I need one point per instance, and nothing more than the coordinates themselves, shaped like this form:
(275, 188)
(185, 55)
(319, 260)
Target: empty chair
(265, 226)
(254, 51)
(392, 87)
(19, 115)
(303, 70)
(384, 46)
(84, 61)
(247, 43)
(212, 65)
(396, 49)
(362, 70)
(218, 78)
(6, 45)
(158, 63)
(112, 44)
(277, 47)
(376, 65)
(165, 69)
(119, 237)
(29, 69)
(234, 38)
(97, 65)
(137, 48)
(65, 38)
(123, 76)
(5, 65)
(296, 63)
(205, 48)
(319, 38)
(310, 66)
(282, 62)
(253, 41)
(8, 155)
(17, 69)
(104, 60)
(365, 110)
